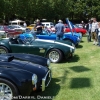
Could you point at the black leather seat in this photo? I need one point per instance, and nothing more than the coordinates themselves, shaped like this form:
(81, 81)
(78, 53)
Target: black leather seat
(13, 41)
(20, 41)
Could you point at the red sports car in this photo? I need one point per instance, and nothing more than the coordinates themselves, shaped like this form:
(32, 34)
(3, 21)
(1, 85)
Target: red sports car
(10, 31)
(76, 29)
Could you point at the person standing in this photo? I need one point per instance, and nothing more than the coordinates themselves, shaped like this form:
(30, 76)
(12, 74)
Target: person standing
(83, 24)
(98, 30)
(25, 25)
(88, 28)
(93, 31)
(59, 29)
(38, 26)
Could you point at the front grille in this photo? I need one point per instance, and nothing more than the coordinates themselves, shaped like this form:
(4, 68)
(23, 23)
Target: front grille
(46, 80)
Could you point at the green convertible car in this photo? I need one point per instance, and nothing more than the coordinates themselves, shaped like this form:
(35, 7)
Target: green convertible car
(54, 50)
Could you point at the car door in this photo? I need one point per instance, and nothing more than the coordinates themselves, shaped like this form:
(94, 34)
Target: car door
(25, 48)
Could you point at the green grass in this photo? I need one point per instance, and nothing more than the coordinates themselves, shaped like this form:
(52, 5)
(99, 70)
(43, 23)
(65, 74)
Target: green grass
(78, 78)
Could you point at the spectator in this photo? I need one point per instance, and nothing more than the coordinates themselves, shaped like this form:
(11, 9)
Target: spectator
(25, 25)
(59, 29)
(38, 26)
(88, 28)
(98, 33)
(93, 31)
(83, 24)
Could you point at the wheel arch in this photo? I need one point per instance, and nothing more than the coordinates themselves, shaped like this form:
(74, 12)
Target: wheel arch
(10, 80)
(69, 40)
(7, 47)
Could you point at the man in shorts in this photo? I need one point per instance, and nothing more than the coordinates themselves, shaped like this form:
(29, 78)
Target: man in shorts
(93, 31)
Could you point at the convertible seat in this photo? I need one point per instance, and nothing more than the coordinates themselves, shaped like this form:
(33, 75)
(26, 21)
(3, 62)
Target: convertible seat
(13, 41)
(20, 41)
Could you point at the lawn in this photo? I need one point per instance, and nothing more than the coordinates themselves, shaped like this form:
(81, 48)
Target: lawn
(76, 79)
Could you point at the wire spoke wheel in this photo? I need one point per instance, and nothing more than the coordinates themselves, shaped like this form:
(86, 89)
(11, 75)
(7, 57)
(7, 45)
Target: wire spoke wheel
(5, 92)
(3, 50)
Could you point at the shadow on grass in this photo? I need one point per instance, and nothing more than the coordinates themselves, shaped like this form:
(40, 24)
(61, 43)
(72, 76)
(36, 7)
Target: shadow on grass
(75, 58)
(80, 83)
(79, 46)
(79, 68)
(64, 77)
(50, 92)
(82, 41)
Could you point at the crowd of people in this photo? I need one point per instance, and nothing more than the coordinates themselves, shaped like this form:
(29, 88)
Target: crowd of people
(93, 29)
(59, 28)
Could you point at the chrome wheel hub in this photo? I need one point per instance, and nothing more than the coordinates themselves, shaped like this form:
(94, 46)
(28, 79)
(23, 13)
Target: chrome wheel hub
(2, 51)
(53, 56)
(5, 92)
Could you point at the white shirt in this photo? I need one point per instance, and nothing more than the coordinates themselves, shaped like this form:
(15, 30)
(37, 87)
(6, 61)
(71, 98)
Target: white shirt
(94, 26)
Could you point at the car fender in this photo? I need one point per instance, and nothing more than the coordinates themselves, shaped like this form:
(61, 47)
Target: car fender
(6, 45)
(63, 50)
(69, 37)
(15, 75)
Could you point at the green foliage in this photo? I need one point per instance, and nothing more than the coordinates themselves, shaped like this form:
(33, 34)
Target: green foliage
(49, 9)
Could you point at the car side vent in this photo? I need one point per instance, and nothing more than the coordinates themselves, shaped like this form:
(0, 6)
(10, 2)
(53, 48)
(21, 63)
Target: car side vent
(6, 58)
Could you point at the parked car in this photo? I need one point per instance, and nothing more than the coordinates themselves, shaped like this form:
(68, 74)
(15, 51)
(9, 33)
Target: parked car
(48, 24)
(78, 35)
(54, 50)
(10, 31)
(31, 26)
(18, 27)
(76, 29)
(21, 76)
(16, 22)
(52, 36)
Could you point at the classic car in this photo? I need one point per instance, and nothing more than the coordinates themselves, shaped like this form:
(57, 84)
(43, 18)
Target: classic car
(75, 39)
(78, 35)
(54, 50)
(18, 27)
(10, 31)
(31, 26)
(76, 29)
(20, 76)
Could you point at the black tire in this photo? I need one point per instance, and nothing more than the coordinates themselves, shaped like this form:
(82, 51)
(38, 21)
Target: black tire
(12, 90)
(3, 50)
(55, 58)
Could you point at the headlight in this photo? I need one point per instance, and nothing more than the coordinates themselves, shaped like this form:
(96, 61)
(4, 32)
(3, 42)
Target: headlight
(48, 62)
(34, 79)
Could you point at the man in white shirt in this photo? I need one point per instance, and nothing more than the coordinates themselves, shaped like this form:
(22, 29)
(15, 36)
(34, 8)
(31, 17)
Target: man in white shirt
(93, 31)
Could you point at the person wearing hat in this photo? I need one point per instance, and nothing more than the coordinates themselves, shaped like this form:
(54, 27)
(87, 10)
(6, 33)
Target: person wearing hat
(38, 26)
(59, 29)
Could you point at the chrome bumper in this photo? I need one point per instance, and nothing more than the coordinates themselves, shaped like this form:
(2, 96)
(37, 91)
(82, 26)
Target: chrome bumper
(46, 80)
